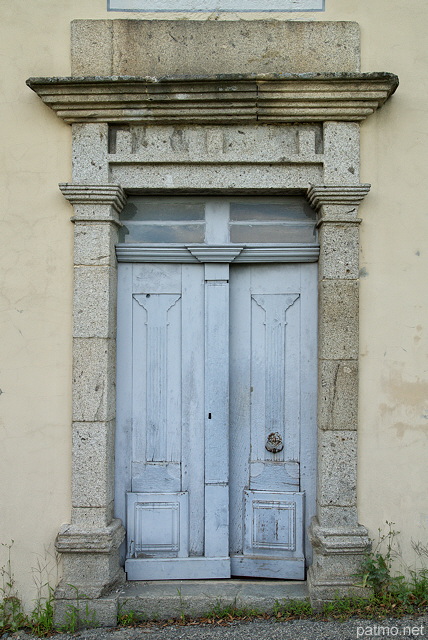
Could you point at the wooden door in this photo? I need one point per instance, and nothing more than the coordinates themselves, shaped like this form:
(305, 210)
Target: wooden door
(176, 508)
(272, 329)
(213, 492)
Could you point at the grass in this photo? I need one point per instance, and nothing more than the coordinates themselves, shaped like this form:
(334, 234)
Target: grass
(393, 595)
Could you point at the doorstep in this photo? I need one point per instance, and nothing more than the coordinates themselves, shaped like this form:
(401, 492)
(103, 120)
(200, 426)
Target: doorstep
(173, 598)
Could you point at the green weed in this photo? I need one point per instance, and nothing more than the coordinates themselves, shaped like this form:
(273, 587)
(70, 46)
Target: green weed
(231, 611)
(292, 609)
(79, 615)
(12, 616)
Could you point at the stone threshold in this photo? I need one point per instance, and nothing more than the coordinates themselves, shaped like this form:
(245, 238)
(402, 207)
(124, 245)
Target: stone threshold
(173, 598)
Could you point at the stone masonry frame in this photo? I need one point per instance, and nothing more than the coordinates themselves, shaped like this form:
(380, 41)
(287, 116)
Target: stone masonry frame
(90, 543)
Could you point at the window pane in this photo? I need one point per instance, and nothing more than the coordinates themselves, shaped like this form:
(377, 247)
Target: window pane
(290, 208)
(173, 209)
(141, 232)
(272, 233)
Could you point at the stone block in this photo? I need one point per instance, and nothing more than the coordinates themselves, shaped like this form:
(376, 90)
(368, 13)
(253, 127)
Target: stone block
(90, 148)
(336, 516)
(338, 394)
(337, 468)
(341, 153)
(201, 47)
(94, 36)
(228, 143)
(89, 574)
(323, 591)
(94, 379)
(95, 295)
(337, 568)
(338, 320)
(217, 177)
(92, 517)
(339, 251)
(94, 244)
(337, 555)
(93, 464)
(163, 600)
(87, 613)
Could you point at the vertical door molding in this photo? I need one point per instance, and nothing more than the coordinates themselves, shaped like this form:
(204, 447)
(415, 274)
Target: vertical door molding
(217, 409)
(337, 539)
(93, 537)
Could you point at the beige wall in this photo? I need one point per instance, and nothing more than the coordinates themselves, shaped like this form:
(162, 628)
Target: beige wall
(36, 274)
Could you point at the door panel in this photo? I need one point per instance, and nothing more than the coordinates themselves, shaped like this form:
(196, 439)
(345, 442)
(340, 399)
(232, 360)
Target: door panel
(266, 371)
(167, 507)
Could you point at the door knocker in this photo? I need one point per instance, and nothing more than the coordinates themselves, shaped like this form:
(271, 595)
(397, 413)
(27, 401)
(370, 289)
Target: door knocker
(274, 442)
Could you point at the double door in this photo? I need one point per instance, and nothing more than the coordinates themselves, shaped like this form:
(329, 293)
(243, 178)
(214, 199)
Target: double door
(216, 413)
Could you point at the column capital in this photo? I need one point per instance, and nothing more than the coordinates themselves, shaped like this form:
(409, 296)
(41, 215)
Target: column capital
(346, 195)
(84, 196)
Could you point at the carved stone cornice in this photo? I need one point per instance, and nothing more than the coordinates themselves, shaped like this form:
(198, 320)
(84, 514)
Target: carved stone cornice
(237, 98)
(321, 195)
(105, 194)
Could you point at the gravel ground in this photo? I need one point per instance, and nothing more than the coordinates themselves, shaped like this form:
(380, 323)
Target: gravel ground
(256, 630)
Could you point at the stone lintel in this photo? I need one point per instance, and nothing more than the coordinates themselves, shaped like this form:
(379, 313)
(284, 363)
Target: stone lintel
(103, 540)
(234, 98)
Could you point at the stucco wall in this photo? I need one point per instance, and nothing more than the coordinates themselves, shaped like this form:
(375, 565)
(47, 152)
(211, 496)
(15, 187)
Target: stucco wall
(36, 275)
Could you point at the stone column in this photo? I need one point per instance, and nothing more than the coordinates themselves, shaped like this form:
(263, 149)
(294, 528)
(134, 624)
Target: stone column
(338, 540)
(90, 543)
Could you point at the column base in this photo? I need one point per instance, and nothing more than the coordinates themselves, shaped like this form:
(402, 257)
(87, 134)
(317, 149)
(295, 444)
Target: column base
(91, 560)
(337, 557)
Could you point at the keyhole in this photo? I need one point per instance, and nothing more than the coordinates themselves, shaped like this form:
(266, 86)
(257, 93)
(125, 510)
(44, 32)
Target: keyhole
(209, 416)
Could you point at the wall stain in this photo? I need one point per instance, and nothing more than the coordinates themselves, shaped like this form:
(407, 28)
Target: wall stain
(408, 403)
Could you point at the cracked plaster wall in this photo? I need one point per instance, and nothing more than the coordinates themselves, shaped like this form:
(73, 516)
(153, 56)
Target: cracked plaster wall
(36, 275)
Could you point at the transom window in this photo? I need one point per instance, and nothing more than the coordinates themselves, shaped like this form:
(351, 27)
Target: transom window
(218, 220)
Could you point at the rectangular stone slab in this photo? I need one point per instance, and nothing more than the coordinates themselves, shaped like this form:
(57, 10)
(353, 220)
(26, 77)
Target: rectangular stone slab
(195, 47)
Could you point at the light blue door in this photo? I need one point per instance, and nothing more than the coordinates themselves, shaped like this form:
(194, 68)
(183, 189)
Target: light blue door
(272, 416)
(216, 407)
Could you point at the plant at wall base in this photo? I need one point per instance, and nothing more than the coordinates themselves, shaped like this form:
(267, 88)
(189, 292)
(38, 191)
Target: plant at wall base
(79, 615)
(376, 566)
(232, 611)
(12, 616)
(292, 610)
(41, 620)
(128, 617)
(397, 594)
